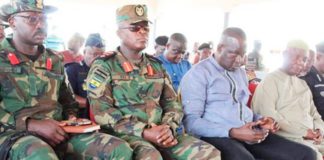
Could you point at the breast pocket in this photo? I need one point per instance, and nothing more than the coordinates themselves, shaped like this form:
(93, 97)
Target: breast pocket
(125, 90)
(154, 85)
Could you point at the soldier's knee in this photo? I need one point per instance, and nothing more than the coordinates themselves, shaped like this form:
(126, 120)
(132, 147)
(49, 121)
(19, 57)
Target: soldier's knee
(147, 153)
(31, 147)
(121, 150)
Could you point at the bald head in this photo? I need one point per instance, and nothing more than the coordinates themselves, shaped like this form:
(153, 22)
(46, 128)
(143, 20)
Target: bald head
(231, 48)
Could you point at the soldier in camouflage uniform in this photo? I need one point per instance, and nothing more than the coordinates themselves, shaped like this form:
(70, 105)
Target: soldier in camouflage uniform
(34, 97)
(131, 95)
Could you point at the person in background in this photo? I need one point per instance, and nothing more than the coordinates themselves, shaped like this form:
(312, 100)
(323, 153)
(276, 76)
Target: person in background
(172, 59)
(287, 98)
(315, 79)
(255, 59)
(205, 50)
(77, 72)
(131, 96)
(160, 45)
(73, 53)
(214, 95)
(3, 26)
(34, 98)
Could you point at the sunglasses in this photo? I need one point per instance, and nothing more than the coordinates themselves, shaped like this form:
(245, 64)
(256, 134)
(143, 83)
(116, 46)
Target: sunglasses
(136, 28)
(33, 20)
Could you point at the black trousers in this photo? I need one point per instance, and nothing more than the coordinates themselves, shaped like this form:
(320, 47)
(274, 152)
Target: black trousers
(273, 147)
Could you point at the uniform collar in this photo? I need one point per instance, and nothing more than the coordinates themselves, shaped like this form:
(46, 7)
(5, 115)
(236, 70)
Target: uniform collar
(7, 44)
(122, 59)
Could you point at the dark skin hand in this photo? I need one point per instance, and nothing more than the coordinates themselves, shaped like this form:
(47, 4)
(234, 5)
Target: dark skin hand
(49, 129)
(160, 135)
(247, 134)
(269, 124)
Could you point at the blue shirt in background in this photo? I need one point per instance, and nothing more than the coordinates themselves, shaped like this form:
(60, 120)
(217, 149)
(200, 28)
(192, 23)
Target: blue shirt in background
(175, 71)
(215, 99)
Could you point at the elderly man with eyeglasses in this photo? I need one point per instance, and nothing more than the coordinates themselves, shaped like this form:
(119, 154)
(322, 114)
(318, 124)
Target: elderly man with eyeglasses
(34, 97)
(172, 59)
(131, 96)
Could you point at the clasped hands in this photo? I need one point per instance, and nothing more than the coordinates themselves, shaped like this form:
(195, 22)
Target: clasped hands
(160, 135)
(315, 135)
(255, 132)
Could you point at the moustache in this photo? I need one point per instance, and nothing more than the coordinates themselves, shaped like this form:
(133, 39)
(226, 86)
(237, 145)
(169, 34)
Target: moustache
(41, 32)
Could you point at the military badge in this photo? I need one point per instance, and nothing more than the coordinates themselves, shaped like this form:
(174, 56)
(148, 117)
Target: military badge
(139, 10)
(94, 83)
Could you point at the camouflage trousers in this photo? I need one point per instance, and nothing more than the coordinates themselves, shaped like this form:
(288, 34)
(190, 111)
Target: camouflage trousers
(187, 148)
(81, 146)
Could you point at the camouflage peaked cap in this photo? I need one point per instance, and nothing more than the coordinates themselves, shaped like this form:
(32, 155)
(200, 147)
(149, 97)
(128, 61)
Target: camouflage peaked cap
(16, 6)
(132, 14)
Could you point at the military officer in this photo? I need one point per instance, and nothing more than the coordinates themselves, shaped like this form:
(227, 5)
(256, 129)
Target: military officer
(131, 95)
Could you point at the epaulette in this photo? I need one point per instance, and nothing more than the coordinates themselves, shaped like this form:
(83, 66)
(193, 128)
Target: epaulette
(153, 58)
(55, 56)
(106, 57)
(50, 51)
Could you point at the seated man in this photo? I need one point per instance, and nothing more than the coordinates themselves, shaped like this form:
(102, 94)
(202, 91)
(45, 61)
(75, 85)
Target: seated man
(205, 50)
(172, 59)
(214, 96)
(160, 45)
(315, 79)
(77, 72)
(132, 97)
(34, 98)
(288, 99)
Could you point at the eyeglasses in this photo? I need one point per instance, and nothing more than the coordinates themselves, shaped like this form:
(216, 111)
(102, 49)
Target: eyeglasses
(33, 20)
(178, 51)
(136, 28)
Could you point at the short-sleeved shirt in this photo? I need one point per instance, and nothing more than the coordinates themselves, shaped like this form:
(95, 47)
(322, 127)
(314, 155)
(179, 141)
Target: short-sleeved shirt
(315, 81)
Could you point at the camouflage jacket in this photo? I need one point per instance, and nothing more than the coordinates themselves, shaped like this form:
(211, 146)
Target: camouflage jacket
(31, 89)
(128, 102)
